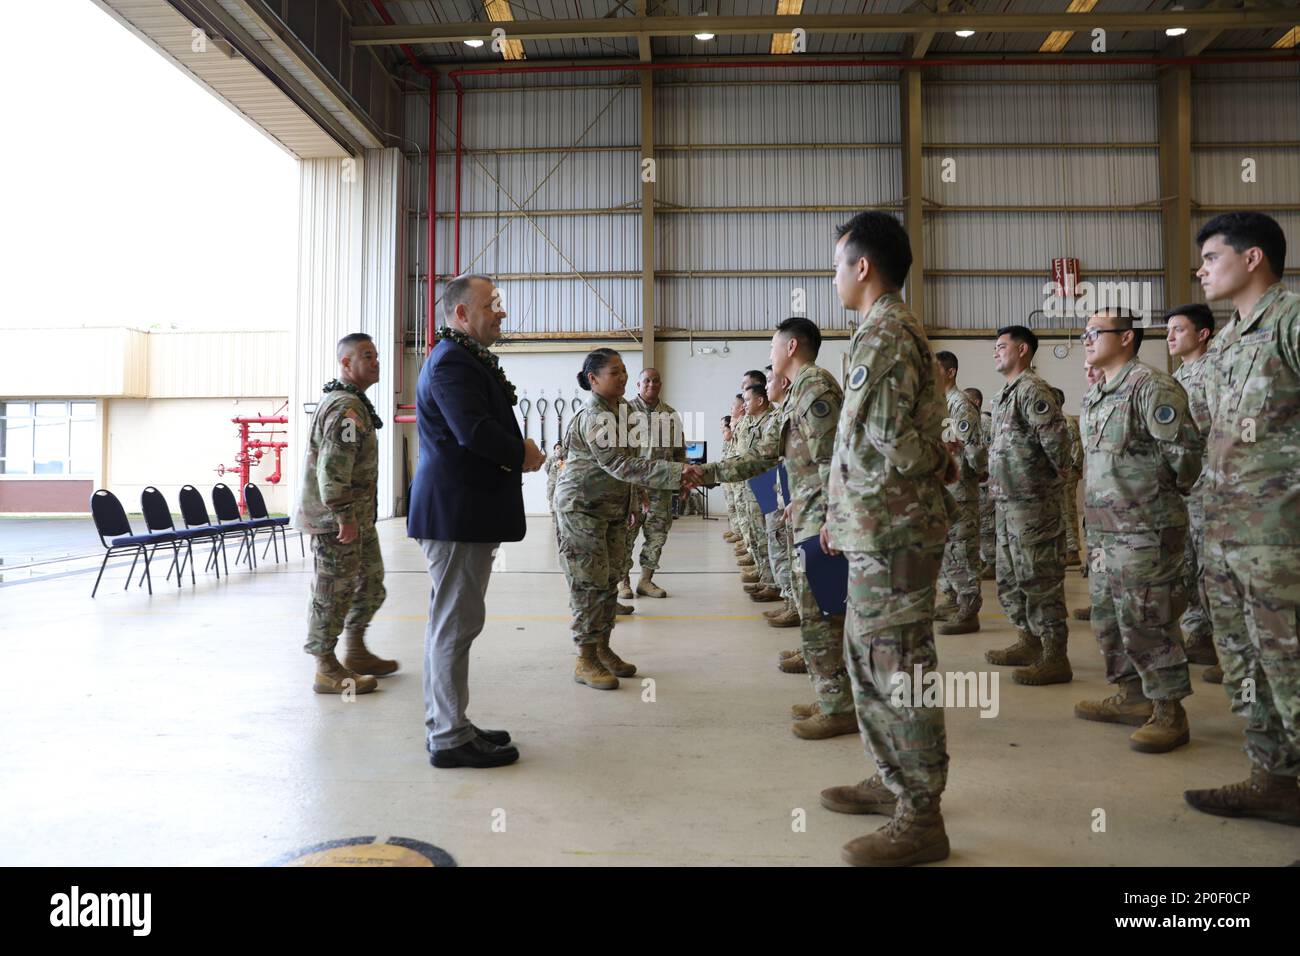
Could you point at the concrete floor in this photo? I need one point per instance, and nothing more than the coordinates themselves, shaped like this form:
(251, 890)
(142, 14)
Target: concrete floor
(181, 730)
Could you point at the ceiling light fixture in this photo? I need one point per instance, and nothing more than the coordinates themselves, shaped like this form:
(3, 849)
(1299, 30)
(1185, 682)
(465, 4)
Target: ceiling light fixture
(704, 36)
(1175, 31)
(965, 33)
(474, 43)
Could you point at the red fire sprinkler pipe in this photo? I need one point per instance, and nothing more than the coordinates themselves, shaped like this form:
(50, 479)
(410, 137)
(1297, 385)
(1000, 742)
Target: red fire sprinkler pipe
(251, 449)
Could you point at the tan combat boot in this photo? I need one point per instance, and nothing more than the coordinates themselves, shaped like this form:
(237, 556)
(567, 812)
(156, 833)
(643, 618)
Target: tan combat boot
(358, 659)
(912, 836)
(945, 610)
(1025, 651)
(749, 576)
(804, 711)
(766, 594)
(730, 536)
(1166, 729)
(590, 671)
(789, 617)
(333, 678)
(821, 726)
(961, 625)
(623, 608)
(869, 796)
(625, 590)
(611, 661)
(753, 587)
(777, 611)
(1269, 796)
(1213, 675)
(647, 587)
(740, 548)
(1201, 650)
(745, 562)
(1052, 668)
(1083, 613)
(792, 665)
(1129, 706)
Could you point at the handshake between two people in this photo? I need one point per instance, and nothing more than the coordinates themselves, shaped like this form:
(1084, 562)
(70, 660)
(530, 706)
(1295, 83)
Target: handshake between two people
(692, 477)
(534, 457)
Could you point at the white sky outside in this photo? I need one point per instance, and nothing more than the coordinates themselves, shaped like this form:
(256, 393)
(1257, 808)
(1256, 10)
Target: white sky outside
(129, 195)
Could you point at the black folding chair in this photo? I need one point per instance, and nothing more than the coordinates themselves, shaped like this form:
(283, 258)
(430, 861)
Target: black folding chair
(258, 516)
(195, 515)
(231, 522)
(158, 518)
(116, 537)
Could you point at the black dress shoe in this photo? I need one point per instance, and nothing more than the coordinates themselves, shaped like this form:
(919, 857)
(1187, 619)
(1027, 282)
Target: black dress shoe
(498, 737)
(477, 753)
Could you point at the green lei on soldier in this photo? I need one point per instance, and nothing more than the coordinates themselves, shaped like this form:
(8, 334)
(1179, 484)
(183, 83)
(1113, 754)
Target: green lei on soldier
(334, 385)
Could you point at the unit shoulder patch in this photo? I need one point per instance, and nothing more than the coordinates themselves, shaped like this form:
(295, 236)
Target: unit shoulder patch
(1165, 414)
(857, 377)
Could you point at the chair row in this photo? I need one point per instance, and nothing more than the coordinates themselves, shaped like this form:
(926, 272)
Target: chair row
(116, 536)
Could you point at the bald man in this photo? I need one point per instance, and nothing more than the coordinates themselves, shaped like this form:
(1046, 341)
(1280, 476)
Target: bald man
(662, 438)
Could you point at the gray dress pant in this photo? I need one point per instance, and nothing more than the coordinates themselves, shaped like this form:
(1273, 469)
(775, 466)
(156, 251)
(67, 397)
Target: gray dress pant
(459, 572)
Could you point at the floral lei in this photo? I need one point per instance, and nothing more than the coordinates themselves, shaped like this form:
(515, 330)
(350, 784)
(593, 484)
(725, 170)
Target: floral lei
(482, 354)
(334, 385)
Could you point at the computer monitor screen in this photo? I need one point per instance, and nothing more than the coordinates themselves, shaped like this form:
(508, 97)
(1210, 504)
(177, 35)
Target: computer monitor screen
(697, 452)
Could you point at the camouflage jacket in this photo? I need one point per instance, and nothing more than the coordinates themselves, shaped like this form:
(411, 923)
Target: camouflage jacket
(1076, 449)
(660, 430)
(1252, 386)
(1030, 454)
(805, 441)
(340, 471)
(600, 466)
(1191, 376)
(554, 465)
(886, 478)
(1142, 452)
(964, 426)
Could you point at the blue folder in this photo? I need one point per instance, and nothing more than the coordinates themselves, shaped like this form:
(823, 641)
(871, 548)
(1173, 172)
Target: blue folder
(764, 488)
(785, 481)
(828, 576)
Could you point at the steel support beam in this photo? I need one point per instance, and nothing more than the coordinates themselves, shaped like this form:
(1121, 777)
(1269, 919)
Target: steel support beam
(1175, 128)
(913, 24)
(647, 224)
(909, 92)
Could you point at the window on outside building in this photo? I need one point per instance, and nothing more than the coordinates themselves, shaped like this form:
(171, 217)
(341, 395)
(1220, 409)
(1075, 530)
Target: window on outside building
(48, 438)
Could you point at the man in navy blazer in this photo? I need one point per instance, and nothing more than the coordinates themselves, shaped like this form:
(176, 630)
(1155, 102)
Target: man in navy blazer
(467, 497)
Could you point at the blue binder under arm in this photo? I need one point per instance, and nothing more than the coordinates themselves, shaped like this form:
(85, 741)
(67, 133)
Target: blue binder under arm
(828, 576)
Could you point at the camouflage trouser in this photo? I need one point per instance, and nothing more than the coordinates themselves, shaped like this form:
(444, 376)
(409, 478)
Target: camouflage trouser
(959, 578)
(889, 630)
(591, 550)
(822, 639)
(1071, 496)
(1253, 593)
(347, 589)
(1196, 622)
(988, 529)
(1137, 589)
(755, 534)
(654, 526)
(1030, 570)
(729, 493)
(778, 551)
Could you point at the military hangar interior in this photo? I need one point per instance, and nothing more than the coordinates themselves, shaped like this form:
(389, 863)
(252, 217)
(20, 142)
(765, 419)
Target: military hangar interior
(665, 179)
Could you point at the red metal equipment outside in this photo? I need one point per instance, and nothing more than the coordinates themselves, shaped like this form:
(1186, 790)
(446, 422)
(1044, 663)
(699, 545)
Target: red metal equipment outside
(251, 450)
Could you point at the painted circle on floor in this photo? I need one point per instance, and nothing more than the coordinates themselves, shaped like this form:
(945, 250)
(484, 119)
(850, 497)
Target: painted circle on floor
(365, 851)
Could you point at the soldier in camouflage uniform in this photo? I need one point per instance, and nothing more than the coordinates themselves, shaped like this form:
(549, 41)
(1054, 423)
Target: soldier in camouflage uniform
(988, 517)
(1029, 456)
(959, 577)
(1143, 453)
(663, 438)
(1188, 332)
(888, 512)
(729, 425)
(1252, 509)
(1071, 495)
(776, 527)
(554, 465)
(591, 505)
(759, 418)
(805, 441)
(336, 506)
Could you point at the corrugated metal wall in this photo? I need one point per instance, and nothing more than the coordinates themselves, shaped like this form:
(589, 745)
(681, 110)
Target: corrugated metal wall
(1070, 138)
(1236, 114)
(1038, 141)
(350, 267)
